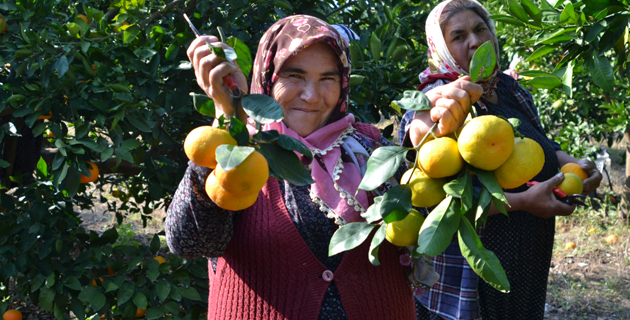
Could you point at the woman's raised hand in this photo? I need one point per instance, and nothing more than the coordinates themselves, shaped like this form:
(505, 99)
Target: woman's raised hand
(450, 106)
(540, 201)
(210, 70)
(594, 176)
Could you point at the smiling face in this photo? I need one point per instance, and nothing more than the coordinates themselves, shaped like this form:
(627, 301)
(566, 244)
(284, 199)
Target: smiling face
(463, 33)
(308, 88)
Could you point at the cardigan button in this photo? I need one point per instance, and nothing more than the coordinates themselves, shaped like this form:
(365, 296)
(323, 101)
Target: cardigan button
(328, 276)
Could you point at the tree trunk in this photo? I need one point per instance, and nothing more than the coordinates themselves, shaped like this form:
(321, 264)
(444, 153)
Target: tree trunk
(626, 189)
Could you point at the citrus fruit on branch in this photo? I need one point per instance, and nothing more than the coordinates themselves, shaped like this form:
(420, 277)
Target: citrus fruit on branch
(201, 143)
(486, 142)
(405, 232)
(525, 162)
(440, 158)
(425, 191)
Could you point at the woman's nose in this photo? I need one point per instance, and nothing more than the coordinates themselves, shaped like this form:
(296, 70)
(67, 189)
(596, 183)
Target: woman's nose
(310, 92)
(475, 41)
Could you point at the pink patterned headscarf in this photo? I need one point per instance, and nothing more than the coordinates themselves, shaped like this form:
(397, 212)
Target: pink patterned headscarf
(335, 181)
(442, 65)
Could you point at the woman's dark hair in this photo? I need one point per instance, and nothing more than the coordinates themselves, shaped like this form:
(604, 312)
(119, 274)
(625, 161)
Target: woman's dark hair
(456, 6)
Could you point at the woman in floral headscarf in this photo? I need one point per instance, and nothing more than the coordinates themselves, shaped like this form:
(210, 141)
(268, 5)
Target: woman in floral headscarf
(273, 257)
(523, 242)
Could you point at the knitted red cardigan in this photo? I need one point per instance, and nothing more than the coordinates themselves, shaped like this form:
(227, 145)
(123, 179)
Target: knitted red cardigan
(269, 272)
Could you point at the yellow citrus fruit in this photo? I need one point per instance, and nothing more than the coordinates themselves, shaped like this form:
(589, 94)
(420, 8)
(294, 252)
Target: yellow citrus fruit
(440, 158)
(569, 246)
(486, 142)
(405, 232)
(4, 28)
(140, 312)
(591, 230)
(12, 315)
(201, 143)
(93, 172)
(226, 200)
(525, 162)
(83, 17)
(576, 169)
(425, 191)
(247, 178)
(611, 239)
(571, 184)
(160, 259)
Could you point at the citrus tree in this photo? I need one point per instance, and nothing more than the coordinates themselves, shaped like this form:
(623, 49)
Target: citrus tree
(107, 86)
(578, 51)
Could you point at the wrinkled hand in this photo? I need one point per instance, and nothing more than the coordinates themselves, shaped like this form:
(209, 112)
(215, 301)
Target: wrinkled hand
(541, 201)
(594, 176)
(210, 70)
(451, 104)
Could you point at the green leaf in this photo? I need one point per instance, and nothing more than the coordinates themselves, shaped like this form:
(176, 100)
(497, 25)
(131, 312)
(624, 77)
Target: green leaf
(454, 188)
(42, 168)
(203, 104)
(73, 283)
(539, 53)
(130, 33)
(483, 61)
(515, 8)
(483, 205)
(46, 297)
(190, 293)
(162, 288)
(545, 82)
(61, 66)
(262, 108)
(230, 156)
(396, 203)
(153, 270)
(439, 227)
(238, 131)
(378, 238)
(125, 293)
(110, 286)
(138, 123)
(244, 59)
(155, 244)
(5, 164)
(78, 309)
(595, 30)
(14, 97)
(373, 212)
(50, 280)
(533, 11)
(37, 281)
(356, 79)
(72, 181)
(602, 72)
(140, 300)
(88, 293)
(117, 87)
(567, 80)
(413, 100)
(536, 73)
(484, 262)
(98, 302)
(568, 13)
(488, 180)
(349, 236)
(286, 142)
(285, 164)
(375, 47)
(382, 165)
(154, 313)
(507, 19)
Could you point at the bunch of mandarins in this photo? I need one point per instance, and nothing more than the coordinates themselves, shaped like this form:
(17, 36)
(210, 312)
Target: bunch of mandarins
(235, 189)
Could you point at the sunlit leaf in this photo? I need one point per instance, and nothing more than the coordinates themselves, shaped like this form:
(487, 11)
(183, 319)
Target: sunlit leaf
(243, 53)
(349, 236)
(230, 156)
(285, 164)
(378, 238)
(602, 72)
(203, 104)
(262, 108)
(396, 203)
(382, 165)
(483, 62)
(439, 227)
(413, 100)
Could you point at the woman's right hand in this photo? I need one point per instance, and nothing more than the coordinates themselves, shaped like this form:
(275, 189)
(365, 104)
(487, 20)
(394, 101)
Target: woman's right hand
(540, 200)
(450, 105)
(210, 71)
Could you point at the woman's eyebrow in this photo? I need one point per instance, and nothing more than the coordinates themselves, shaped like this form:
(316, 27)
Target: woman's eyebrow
(455, 32)
(331, 73)
(293, 70)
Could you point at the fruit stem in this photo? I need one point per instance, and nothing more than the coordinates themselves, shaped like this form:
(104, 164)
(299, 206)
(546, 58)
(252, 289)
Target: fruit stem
(415, 162)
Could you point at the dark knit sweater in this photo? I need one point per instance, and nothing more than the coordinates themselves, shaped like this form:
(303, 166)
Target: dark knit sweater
(268, 272)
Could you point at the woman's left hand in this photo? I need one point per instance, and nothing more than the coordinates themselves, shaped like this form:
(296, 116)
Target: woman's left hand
(594, 176)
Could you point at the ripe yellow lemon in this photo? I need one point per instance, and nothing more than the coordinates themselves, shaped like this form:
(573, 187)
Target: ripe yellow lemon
(571, 184)
(440, 158)
(576, 169)
(525, 162)
(569, 246)
(486, 142)
(405, 232)
(226, 200)
(201, 143)
(425, 191)
(247, 178)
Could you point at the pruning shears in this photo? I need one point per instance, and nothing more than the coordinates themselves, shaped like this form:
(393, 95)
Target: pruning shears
(569, 199)
(229, 82)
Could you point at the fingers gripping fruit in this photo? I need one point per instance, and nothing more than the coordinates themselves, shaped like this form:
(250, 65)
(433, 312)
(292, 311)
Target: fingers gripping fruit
(201, 143)
(486, 142)
(571, 184)
(576, 169)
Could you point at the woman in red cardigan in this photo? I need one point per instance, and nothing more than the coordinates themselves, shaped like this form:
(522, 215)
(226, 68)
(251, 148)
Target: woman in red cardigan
(273, 258)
